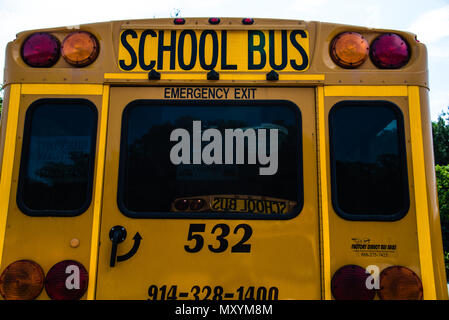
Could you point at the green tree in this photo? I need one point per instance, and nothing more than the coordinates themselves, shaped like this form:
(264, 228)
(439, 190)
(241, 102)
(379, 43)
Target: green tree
(442, 175)
(440, 130)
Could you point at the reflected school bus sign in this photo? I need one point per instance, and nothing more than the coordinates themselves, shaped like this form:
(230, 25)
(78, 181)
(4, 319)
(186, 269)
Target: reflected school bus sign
(219, 50)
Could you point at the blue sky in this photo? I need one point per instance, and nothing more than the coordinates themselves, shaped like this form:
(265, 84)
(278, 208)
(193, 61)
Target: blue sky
(428, 19)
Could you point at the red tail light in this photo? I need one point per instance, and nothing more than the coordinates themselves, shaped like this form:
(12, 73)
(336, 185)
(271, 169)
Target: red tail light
(40, 50)
(22, 280)
(349, 283)
(66, 280)
(390, 51)
(400, 283)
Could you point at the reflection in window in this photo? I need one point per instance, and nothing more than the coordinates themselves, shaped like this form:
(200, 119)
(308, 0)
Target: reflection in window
(368, 160)
(58, 157)
(151, 181)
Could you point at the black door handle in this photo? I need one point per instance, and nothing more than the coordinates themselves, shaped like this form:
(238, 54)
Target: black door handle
(117, 235)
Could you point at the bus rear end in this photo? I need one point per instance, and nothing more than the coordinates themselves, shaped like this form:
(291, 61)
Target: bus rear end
(218, 159)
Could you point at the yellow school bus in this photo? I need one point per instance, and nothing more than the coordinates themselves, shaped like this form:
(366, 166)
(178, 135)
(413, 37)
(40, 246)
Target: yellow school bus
(218, 159)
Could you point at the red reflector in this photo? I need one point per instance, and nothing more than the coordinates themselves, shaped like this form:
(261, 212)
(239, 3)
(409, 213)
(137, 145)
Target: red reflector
(248, 21)
(66, 280)
(182, 204)
(179, 21)
(389, 51)
(349, 283)
(40, 50)
(214, 20)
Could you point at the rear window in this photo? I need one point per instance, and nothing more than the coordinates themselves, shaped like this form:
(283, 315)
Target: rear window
(368, 163)
(56, 169)
(210, 159)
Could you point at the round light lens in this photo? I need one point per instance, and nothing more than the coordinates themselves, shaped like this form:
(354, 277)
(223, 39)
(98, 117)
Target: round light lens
(214, 20)
(390, 51)
(349, 49)
(66, 280)
(349, 283)
(182, 204)
(22, 280)
(40, 50)
(248, 21)
(80, 48)
(400, 283)
(197, 204)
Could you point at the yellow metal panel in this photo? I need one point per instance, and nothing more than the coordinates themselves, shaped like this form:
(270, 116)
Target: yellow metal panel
(419, 181)
(284, 254)
(365, 91)
(35, 238)
(65, 89)
(324, 193)
(8, 159)
(98, 195)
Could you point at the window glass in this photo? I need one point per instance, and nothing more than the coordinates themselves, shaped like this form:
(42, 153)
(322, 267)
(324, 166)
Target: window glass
(210, 159)
(57, 157)
(369, 171)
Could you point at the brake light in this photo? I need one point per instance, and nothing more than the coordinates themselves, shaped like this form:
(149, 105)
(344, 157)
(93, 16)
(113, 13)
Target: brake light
(22, 280)
(80, 48)
(66, 280)
(349, 49)
(390, 51)
(349, 283)
(40, 50)
(400, 283)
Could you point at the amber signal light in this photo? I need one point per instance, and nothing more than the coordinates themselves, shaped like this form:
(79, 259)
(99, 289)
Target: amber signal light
(22, 280)
(400, 283)
(349, 50)
(80, 48)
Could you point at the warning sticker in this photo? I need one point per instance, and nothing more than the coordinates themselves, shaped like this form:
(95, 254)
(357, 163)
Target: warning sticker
(367, 248)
